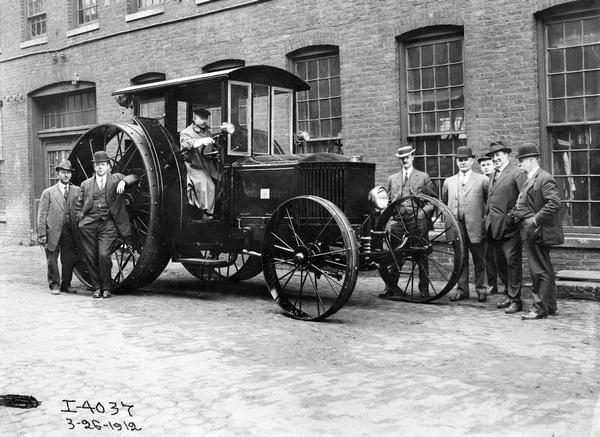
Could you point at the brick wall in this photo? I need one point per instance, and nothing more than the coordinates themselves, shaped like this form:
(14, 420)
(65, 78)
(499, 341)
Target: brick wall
(500, 62)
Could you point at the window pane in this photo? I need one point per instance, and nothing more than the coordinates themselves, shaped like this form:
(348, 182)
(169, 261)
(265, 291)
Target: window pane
(260, 112)
(324, 88)
(326, 128)
(427, 74)
(239, 117)
(574, 57)
(556, 61)
(580, 214)
(595, 164)
(334, 66)
(591, 30)
(575, 110)
(426, 55)
(555, 35)
(446, 166)
(312, 69)
(581, 188)
(336, 127)
(429, 122)
(455, 51)
(557, 111)
(595, 188)
(313, 93)
(443, 121)
(313, 109)
(591, 56)
(323, 68)
(441, 76)
(282, 120)
(415, 123)
(303, 110)
(431, 166)
(556, 85)
(456, 97)
(336, 107)
(414, 101)
(592, 108)
(573, 33)
(574, 84)
(413, 59)
(324, 111)
(428, 100)
(414, 80)
(595, 214)
(441, 53)
(335, 89)
(446, 147)
(456, 74)
(431, 146)
(458, 120)
(442, 98)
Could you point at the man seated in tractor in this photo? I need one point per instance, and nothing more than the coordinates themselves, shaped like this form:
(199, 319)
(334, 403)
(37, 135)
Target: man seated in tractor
(409, 181)
(202, 171)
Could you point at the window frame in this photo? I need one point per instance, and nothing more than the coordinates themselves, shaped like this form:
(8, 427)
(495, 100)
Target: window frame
(39, 14)
(78, 10)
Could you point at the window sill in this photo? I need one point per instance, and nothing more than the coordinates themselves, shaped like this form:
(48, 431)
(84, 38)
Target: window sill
(83, 29)
(34, 42)
(144, 14)
(574, 241)
(199, 2)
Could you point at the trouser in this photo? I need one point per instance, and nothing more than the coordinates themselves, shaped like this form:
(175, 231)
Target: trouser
(542, 272)
(478, 251)
(491, 269)
(97, 238)
(66, 248)
(509, 259)
(408, 224)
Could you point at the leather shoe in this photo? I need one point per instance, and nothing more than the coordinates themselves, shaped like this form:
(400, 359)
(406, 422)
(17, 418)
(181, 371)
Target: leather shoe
(532, 315)
(390, 291)
(69, 290)
(424, 293)
(459, 295)
(54, 291)
(504, 304)
(514, 307)
(106, 294)
(553, 312)
(481, 297)
(97, 294)
(492, 290)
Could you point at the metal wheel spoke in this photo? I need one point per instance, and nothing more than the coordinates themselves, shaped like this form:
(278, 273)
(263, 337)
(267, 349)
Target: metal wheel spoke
(279, 238)
(327, 275)
(318, 296)
(299, 241)
(321, 231)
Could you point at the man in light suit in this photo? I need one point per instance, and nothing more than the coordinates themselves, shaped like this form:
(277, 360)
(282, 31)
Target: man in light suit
(57, 228)
(503, 233)
(102, 218)
(404, 183)
(465, 193)
(539, 213)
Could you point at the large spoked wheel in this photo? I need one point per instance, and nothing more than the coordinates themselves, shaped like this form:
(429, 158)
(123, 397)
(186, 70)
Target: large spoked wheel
(228, 266)
(425, 249)
(310, 258)
(139, 261)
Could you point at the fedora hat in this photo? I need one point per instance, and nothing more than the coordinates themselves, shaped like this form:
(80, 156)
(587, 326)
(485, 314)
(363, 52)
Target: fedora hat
(404, 151)
(464, 152)
(484, 158)
(65, 164)
(498, 146)
(527, 151)
(100, 156)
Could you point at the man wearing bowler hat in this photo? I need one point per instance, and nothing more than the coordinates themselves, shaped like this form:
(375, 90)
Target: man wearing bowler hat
(103, 218)
(465, 193)
(503, 233)
(406, 182)
(57, 228)
(491, 271)
(539, 214)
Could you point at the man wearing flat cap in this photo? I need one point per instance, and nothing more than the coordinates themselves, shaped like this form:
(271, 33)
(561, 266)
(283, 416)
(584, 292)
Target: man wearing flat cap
(196, 141)
(409, 181)
(57, 228)
(539, 214)
(465, 193)
(503, 233)
(103, 218)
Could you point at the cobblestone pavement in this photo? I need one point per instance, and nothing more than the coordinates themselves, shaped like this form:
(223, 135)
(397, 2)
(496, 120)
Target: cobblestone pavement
(224, 361)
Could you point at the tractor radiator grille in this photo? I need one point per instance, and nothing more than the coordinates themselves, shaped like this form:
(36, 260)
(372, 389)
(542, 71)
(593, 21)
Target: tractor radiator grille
(346, 184)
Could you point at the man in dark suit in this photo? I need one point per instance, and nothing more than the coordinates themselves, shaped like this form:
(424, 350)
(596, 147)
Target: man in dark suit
(102, 218)
(404, 183)
(465, 193)
(57, 228)
(503, 233)
(539, 213)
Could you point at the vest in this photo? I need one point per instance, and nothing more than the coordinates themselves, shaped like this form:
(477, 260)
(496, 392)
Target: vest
(67, 210)
(99, 209)
(462, 201)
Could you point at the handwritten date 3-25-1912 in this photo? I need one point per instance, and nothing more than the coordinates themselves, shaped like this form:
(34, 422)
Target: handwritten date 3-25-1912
(105, 415)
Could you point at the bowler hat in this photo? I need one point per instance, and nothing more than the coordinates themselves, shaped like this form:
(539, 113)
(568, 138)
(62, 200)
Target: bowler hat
(100, 156)
(527, 151)
(404, 151)
(204, 113)
(498, 146)
(464, 152)
(484, 158)
(65, 164)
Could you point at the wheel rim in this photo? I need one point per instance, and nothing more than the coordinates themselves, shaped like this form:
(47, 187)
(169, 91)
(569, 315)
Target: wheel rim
(226, 266)
(424, 257)
(140, 261)
(310, 258)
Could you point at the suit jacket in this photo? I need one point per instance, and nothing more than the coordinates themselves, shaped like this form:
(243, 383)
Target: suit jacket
(476, 193)
(116, 202)
(502, 197)
(418, 181)
(543, 199)
(51, 213)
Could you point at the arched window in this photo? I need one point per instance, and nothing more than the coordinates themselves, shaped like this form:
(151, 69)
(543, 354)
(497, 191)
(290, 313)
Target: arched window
(224, 64)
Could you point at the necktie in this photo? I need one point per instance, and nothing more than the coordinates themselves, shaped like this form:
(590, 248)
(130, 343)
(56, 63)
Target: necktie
(405, 179)
(101, 183)
(496, 173)
(66, 192)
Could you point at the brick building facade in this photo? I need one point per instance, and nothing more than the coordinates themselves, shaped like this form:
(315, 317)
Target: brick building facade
(436, 74)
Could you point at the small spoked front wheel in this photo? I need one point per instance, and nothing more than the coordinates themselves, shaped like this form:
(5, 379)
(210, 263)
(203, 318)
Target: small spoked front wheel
(310, 257)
